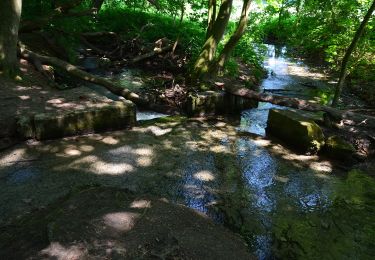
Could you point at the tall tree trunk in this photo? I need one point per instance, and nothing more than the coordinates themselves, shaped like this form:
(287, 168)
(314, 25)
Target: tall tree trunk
(97, 4)
(211, 16)
(229, 46)
(10, 13)
(208, 52)
(344, 65)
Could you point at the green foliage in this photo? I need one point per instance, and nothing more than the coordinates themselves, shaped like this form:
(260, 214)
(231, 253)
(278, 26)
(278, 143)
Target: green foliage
(319, 29)
(231, 67)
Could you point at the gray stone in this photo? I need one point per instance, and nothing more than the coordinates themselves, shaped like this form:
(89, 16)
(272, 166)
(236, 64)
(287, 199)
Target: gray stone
(113, 116)
(296, 130)
(216, 103)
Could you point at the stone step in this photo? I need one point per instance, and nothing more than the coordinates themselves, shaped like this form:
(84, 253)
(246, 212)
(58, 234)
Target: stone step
(111, 116)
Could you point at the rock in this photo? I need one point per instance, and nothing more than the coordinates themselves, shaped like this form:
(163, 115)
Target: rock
(338, 148)
(216, 103)
(25, 126)
(206, 103)
(116, 115)
(296, 130)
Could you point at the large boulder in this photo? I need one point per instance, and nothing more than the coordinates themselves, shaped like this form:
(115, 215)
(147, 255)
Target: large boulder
(296, 130)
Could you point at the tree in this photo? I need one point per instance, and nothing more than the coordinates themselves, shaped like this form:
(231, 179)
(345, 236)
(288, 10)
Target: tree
(236, 36)
(10, 13)
(206, 62)
(344, 65)
(214, 36)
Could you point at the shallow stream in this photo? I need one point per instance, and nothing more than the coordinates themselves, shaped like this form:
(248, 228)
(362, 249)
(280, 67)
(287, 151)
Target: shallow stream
(285, 205)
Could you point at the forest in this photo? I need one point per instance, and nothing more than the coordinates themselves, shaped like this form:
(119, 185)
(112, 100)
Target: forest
(187, 129)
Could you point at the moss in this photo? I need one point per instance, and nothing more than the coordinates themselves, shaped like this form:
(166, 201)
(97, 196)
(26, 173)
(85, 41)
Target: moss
(113, 116)
(338, 148)
(296, 130)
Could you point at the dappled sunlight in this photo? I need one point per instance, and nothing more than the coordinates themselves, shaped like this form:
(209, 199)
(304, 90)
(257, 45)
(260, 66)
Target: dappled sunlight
(95, 165)
(86, 148)
(219, 149)
(24, 97)
(204, 176)
(57, 251)
(157, 131)
(140, 204)
(322, 167)
(121, 221)
(110, 140)
(12, 156)
(144, 161)
(72, 151)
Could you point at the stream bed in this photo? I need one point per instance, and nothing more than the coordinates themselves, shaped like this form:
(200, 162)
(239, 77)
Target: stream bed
(284, 205)
(285, 208)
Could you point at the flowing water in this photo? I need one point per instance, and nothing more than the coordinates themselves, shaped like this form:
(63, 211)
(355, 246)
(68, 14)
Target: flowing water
(278, 203)
(285, 205)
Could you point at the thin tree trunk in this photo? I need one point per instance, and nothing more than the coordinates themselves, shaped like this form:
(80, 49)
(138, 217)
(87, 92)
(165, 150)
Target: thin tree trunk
(229, 46)
(344, 64)
(10, 13)
(211, 16)
(97, 4)
(208, 52)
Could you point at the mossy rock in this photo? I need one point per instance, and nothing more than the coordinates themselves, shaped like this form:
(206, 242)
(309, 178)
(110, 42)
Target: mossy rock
(116, 115)
(296, 130)
(338, 148)
(217, 103)
(205, 103)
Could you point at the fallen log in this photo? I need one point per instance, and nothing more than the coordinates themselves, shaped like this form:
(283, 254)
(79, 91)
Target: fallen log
(83, 75)
(345, 117)
(151, 54)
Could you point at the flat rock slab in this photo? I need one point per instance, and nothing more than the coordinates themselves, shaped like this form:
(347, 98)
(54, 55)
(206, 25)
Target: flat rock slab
(107, 223)
(296, 130)
(110, 116)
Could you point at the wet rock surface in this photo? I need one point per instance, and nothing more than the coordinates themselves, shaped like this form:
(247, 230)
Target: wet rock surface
(111, 223)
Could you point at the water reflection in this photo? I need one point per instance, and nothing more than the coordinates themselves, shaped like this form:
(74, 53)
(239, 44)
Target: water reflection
(258, 168)
(255, 120)
(276, 188)
(196, 190)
